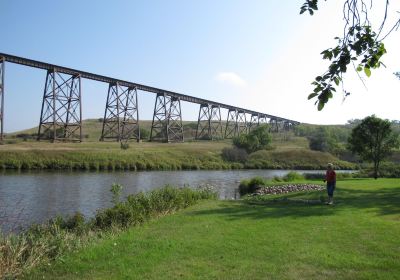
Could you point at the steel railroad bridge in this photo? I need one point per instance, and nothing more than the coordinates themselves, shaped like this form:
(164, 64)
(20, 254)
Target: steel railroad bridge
(61, 113)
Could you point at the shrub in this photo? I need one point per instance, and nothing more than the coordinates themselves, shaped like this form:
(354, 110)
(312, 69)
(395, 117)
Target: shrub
(116, 192)
(244, 187)
(24, 136)
(141, 207)
(250, 186)
(144, 134)
(124, 146)
(75, 222)
(234, 154)
(292, 176)
(324, 140)
(257, 139)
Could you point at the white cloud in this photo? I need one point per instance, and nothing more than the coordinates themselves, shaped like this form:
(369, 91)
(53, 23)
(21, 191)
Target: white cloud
(231, 78)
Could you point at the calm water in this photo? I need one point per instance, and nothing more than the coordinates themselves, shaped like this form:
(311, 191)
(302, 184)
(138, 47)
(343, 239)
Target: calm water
(27, 198)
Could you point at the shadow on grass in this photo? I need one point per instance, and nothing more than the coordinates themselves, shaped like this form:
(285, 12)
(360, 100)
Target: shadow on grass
(385, 201)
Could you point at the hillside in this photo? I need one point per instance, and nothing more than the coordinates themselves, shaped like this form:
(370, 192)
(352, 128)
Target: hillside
(91, 130)
(21, 151)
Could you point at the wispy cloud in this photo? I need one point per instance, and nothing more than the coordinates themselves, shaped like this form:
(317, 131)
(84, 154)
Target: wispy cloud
(230, 78)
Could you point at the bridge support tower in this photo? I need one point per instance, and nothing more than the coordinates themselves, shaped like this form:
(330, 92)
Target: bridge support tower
(274, 125)
(254, 122)
(167, 119)
(121, 115)
(230, 128)
(209, 125)
(61, 114)
(2, 73)
(241, 123)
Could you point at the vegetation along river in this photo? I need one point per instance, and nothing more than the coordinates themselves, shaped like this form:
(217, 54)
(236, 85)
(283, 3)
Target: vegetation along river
(33, 197)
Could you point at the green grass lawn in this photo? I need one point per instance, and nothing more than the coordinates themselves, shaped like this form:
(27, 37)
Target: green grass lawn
(357, 238)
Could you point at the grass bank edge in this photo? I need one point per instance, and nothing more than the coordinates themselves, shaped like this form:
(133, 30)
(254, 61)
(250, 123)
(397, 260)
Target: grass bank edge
(44, 243)
(167, 157)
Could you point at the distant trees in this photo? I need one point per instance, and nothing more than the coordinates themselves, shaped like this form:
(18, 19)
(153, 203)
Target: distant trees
(323, 141)
(258, 139)
(324, 138)
(373, 140)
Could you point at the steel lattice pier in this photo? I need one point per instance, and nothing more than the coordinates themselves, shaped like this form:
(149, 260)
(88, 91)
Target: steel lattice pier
(61, 114)
(121, 115)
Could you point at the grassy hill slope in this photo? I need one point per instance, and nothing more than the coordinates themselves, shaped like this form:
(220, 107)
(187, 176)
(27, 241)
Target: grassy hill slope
(22, 151)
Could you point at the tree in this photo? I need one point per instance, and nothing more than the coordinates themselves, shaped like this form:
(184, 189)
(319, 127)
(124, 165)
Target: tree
(323, 140)
(373, 140)
(257, 139)
(360, 46)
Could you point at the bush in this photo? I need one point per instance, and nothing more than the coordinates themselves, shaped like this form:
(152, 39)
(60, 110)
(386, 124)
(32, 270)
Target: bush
(144, 134)
(24, 136)
(250, 186)
(75, 222)
(116, 193)
(324, 140)
(386, 170)
(292, 176)
(257, 139)
(141, 207)
(124, 146)
(234, 154)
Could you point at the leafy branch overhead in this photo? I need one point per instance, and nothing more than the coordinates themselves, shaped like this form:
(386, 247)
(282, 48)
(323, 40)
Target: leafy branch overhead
(360, 47)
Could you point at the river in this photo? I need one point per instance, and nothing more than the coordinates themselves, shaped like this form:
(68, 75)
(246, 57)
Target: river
(33, 197)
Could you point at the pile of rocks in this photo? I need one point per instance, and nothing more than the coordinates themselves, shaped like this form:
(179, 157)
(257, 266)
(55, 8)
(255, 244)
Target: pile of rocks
(281, 189)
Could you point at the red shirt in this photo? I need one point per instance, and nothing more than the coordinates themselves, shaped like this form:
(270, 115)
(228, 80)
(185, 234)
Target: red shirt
(330, 176)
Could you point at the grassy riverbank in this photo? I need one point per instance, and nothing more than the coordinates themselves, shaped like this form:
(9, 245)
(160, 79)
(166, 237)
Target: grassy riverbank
(274, 238)
(42, 244)
(291, 153)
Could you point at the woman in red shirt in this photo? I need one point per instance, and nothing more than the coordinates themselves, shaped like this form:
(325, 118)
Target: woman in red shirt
(330, 179)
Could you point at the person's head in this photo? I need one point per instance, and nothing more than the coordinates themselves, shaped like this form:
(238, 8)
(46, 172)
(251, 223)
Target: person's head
(330, 166)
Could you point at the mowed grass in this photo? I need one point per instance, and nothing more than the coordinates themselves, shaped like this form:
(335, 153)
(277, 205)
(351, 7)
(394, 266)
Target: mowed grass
(357, 238)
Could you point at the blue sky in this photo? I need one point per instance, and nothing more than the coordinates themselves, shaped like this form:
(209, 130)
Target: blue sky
(260, 55)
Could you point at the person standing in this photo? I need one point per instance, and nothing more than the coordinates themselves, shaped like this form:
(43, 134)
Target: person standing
(330, 179)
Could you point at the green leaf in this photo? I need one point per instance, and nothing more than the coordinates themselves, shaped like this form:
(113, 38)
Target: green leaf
(337, 81)
(367, 71)
(312, 95)
(359, 68)
(320, 106)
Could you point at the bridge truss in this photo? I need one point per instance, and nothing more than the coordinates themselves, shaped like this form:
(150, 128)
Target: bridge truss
(61, 114)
